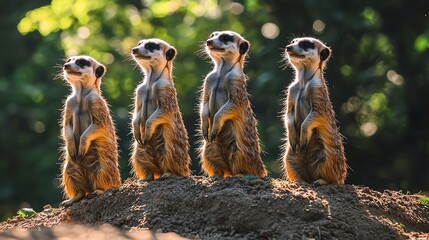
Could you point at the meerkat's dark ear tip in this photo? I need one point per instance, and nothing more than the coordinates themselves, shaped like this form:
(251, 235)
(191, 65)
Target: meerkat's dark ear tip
(324, 54)
(99, 71)
(169, 55)
(244, 47)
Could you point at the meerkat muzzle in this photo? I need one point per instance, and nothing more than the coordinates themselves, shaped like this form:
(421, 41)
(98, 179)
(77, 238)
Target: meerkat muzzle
(138, 54)
(69, 70)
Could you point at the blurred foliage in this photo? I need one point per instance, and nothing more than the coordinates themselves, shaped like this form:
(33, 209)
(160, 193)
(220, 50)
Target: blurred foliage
(424, 201)
(378, 78)
(27, 212)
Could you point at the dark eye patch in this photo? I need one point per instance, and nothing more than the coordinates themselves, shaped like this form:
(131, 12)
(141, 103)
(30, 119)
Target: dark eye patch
(151, 46)
(83, 63)
(225, 38)
(306, 45)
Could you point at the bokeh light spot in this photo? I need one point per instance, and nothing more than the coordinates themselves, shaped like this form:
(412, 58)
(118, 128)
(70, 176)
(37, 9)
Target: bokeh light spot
(319, 26)
(270, 30)
(39, 127)
(369, 128)
(83, 32)
(395, 78)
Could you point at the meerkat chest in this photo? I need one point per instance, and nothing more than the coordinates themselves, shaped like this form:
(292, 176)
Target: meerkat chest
(303, 100)
(81, 108)
(148, 95)
(218, 94)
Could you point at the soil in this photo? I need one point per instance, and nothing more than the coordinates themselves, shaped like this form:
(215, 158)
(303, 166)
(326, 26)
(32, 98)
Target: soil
(233, 208)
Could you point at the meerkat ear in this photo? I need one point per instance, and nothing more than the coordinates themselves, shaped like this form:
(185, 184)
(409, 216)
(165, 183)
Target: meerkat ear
(244, 47)
(169, 55)
(324, 54)
(99, 71)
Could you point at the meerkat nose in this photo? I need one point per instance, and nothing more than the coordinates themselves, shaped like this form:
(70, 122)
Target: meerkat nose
(209, 42)
(288, 48)
(66, 66)
(135, 50)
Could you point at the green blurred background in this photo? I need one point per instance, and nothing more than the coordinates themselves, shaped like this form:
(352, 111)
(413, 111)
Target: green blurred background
(378, 78)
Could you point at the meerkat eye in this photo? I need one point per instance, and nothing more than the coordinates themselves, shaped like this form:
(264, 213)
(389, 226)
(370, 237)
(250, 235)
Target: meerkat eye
(82, 63)
(306, 45)
(226, 38)
(152, 46)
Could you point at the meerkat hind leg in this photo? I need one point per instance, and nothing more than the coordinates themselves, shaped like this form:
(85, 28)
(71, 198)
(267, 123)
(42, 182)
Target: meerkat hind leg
(165, 176)
(98, 192)
(147, 178)
(95, 193)
(319, 182)
(72, 200)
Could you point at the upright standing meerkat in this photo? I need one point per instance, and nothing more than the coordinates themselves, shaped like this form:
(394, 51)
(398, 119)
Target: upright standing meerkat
(228, 125)
(161, 142)
(90, 151)
(314, 149)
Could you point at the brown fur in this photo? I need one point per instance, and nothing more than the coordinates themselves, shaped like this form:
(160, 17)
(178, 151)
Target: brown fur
(314, 149)
(90, 152)
(231, 144)
(161, 141)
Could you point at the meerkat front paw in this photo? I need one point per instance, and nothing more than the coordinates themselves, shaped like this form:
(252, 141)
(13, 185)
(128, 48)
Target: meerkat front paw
(304, 140)
(292, 137)
(136, 132)
(70, 201)
(214, 133)
(205, 131)
(292, 145)
(72, 152)
(147, 132)
(81, 153)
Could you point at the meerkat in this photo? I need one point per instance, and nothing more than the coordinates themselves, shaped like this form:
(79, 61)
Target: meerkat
(314, 150)
(161, 146)
(230, 142)
(90, 148)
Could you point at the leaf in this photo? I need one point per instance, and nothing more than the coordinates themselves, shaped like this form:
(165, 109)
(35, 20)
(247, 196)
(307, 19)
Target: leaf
(424, 201)
(27, 212)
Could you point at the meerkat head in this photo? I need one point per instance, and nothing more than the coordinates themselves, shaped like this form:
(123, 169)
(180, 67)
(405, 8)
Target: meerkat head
(227, 44)
(84, 70)
(153, 53)
(307, 52)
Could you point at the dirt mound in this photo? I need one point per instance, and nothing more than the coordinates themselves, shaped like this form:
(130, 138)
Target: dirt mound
(234, 208)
